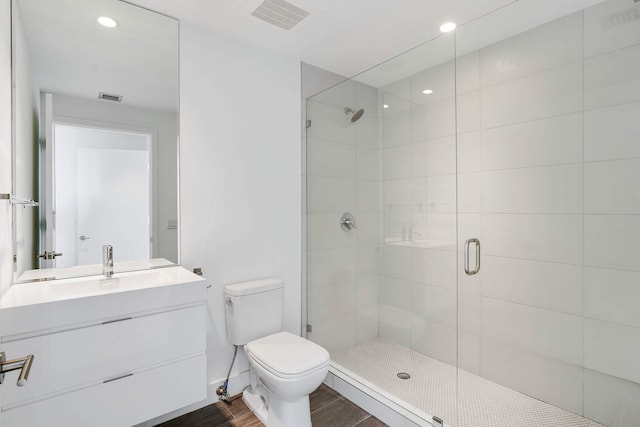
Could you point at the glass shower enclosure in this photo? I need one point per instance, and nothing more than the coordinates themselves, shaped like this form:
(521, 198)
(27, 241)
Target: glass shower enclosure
(471, 234)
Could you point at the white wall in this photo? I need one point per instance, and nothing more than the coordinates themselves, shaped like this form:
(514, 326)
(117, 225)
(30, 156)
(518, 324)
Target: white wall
(6, 269)
(69, 109)
(240, 175)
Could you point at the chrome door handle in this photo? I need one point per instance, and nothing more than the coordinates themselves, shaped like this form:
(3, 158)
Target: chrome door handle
(83, 237)
(466, 257)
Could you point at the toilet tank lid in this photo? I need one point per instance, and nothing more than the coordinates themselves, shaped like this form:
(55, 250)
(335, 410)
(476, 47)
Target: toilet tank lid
(253, 287)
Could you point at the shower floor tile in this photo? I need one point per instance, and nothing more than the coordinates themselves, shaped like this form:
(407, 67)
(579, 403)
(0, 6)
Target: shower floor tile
(432, 389)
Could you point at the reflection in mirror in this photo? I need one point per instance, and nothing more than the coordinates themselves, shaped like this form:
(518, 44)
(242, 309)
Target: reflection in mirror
(95, 137)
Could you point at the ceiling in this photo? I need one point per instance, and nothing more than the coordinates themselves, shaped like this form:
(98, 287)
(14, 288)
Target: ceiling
(349, 36)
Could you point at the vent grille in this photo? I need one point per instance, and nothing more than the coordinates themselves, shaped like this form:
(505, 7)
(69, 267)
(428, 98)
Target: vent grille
(280, 13)
(110, 97)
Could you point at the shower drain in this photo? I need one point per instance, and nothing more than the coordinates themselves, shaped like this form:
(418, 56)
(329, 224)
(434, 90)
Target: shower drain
(403, 375)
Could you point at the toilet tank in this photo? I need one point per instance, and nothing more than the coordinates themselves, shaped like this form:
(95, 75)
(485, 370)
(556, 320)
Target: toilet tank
(253, 309)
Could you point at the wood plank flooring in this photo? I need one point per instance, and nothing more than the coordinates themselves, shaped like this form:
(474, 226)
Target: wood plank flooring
(328, 409)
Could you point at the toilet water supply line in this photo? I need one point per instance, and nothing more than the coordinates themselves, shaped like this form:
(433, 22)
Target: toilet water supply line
(222, 390)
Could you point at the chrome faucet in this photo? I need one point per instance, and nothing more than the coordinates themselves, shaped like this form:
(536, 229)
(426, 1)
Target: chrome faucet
(107, 260)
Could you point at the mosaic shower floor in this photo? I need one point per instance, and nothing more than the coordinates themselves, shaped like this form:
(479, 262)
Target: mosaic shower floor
(432, 389)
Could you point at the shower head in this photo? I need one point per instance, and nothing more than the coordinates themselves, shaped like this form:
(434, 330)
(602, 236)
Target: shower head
(356, 114)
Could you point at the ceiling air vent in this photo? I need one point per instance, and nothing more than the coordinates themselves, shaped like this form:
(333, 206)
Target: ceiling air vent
(280, 13)
(110, 97)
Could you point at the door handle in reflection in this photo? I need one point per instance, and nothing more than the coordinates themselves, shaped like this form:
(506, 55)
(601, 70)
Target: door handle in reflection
(466, 256)
(83, 237)
(49, 255)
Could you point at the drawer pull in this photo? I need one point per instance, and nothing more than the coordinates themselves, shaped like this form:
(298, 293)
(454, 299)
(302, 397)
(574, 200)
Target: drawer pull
(116, 378)
(117, 320)
(24, 364)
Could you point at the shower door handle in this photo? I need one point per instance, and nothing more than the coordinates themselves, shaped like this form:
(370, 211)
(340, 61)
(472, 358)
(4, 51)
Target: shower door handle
(466, 256)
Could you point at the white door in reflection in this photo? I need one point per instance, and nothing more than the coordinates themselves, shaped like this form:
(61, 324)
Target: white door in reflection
(102, 194)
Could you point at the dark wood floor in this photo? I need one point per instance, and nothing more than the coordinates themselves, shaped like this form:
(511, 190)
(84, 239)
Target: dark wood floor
(328, 409)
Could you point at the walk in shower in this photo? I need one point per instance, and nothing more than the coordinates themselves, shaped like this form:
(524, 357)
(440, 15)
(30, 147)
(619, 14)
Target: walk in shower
(476, 226)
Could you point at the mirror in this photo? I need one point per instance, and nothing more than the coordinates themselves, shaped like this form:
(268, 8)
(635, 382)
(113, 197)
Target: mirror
(95, 137)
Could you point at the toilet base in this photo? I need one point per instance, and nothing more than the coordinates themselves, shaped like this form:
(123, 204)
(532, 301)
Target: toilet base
(278, 413)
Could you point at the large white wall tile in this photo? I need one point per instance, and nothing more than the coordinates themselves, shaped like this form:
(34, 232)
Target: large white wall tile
(469, 352)
(329, 123)
(397, 162)
(612, 295)
(332, 301)
(469, 152)
(555, 140)
(433, 267)
(325, 267)
(611, 241)
(335, 334)
(612, 133)
(468, 72)
(441, 156)
(418, 123)
(326, 194)
(548, 285)
(441, 194)
(550, 189)
(468, 112)
(394, 293)
(367, 194)
(332, 159)
(612, 78)
(546, 94)
(612, 349)
(367, 132)
(610, 400)
(545, 47)
(609, 26)
(470, 192)
(441, 118)
(611, 187)
(544, 378)
(556, 238)
(544, 332)
(395, 324)
(396, 128)
(434, 304)
(367, 164)
(418, 160)
(324, 232)
(368, 228)
(395, 261)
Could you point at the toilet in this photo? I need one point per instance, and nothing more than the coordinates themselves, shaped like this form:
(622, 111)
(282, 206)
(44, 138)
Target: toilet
(284, 368)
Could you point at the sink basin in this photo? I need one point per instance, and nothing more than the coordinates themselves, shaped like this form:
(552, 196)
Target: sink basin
(81, 287)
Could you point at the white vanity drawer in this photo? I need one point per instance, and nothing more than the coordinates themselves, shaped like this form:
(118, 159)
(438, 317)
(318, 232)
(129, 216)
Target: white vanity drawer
(124, 402)
(75, 358)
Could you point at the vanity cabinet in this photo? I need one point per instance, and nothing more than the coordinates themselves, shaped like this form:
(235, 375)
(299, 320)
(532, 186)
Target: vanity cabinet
(115, 367)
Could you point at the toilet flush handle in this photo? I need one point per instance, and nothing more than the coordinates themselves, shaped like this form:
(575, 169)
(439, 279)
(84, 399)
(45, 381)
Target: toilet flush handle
(228, 301)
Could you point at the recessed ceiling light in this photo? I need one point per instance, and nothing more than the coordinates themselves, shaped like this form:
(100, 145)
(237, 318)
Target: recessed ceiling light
(447, 27)
(427, 91)
(107, 22)
(385, 106)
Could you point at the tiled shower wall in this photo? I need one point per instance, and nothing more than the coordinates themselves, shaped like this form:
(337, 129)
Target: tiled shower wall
(548, 163)
(342, 176)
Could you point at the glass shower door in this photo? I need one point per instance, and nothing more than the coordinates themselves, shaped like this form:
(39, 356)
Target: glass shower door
(547, 160)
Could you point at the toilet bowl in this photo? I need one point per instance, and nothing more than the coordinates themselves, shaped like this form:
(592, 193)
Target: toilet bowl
(284, 368)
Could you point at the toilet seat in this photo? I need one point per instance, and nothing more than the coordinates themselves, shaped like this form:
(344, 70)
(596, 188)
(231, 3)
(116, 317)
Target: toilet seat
(287, 356)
